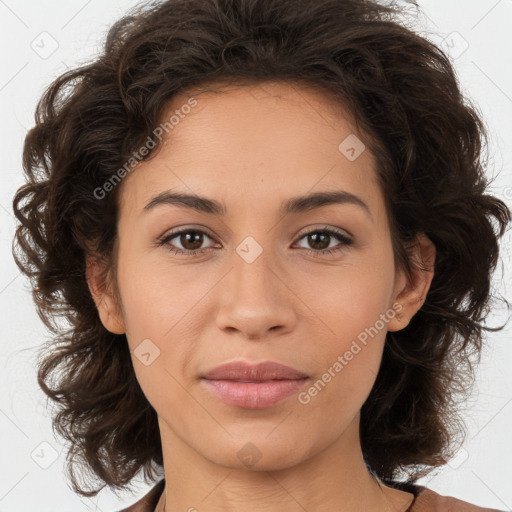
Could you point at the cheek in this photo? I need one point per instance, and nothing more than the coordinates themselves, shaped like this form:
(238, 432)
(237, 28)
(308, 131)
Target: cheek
(155, 299)
(163, 323)
(351, 306)
(349, 354)
(349, 298)
(157, 312)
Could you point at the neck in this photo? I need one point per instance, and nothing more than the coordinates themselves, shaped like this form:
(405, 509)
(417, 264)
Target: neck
(335, 478)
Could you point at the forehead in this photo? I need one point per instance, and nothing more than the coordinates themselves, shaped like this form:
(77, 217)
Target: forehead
(265, 141)
(305, 96)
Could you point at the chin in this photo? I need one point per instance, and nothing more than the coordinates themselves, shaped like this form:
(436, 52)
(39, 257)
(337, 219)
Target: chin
(258, 453)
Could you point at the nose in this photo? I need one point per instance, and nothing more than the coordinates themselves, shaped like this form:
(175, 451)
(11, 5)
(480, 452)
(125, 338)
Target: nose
(256, 299)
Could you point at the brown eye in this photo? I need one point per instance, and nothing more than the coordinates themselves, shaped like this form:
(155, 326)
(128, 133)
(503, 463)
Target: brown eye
(190, 241)
(320, 241)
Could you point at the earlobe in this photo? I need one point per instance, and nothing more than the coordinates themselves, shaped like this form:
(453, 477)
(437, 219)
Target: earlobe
(412, 294)
(102, 294)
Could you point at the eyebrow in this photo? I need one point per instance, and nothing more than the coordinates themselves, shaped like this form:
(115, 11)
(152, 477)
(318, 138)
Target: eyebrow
(294, 205)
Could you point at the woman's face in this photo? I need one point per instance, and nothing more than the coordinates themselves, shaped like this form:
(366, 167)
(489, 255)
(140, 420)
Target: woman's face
(257, 288)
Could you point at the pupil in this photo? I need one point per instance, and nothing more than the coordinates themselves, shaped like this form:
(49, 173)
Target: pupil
(187, 237)
(314, 237)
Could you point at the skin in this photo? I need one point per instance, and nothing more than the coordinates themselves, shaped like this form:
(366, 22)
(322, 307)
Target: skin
(253, 147)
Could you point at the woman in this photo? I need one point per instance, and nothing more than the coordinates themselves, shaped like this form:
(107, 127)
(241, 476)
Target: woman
(267, 224)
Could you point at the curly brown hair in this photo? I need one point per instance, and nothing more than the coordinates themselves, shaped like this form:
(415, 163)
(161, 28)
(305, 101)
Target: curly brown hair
(427, 139)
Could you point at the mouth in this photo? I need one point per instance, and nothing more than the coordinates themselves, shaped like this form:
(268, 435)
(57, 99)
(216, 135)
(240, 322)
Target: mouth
(253, 385)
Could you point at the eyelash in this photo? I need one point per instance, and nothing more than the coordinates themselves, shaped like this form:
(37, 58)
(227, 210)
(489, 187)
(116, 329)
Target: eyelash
(346, 241)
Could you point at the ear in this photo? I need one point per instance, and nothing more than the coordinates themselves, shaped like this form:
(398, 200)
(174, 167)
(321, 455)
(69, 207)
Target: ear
(410, 292)
(108, 309)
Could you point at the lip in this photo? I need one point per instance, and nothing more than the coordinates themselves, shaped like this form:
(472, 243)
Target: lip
(264, 371)
(254, 395)
(253, 386)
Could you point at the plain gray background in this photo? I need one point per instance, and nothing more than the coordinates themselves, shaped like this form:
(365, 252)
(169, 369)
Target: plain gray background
(39, 41)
